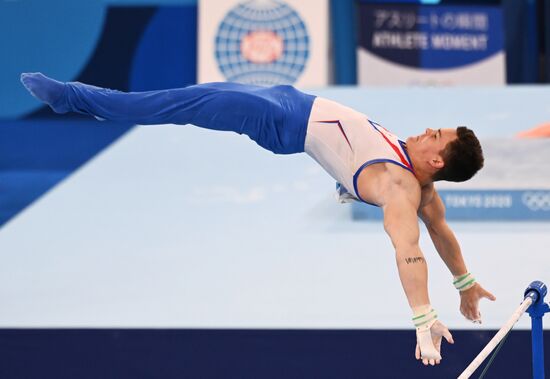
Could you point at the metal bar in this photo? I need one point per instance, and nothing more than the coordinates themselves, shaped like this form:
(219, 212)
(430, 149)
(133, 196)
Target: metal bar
(478, 360)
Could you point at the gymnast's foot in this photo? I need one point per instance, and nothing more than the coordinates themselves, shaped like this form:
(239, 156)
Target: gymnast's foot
(47, 90)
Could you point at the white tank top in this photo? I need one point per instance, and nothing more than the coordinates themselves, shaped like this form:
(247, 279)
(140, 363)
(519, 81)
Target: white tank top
(344, 142)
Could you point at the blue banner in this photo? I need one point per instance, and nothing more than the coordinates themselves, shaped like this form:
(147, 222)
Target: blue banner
(428, 37)
(485, 205)
(432, 36)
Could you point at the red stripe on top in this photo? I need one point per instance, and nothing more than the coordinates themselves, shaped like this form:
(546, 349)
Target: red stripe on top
(397, 150)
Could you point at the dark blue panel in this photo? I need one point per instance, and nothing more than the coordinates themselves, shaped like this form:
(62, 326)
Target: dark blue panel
(36, 155)
(110, 65)
(521, 41)
(546, 38)
(442, 2)
(343, 28)
(167, 53)
(265, 354)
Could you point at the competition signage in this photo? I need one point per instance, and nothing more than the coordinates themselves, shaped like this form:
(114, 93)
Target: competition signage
(264, 42)
(403, 44)
(490, 205)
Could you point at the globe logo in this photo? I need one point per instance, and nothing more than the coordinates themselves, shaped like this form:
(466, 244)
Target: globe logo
(262, 42)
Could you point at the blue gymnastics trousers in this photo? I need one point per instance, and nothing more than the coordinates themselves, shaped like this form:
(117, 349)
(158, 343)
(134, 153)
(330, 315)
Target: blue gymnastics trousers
(275, 118)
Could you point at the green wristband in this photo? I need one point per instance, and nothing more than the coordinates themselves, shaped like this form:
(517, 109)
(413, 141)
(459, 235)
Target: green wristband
(464, 282)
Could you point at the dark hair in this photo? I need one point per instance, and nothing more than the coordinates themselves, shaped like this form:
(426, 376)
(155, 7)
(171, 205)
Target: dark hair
(463, 157)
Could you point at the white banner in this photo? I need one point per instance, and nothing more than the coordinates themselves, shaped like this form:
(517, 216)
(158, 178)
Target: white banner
(380, 72)
(264, 42)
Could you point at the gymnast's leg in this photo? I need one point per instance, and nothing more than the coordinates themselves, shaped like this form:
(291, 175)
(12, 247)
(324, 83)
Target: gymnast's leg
(258, 112)
(179, 106)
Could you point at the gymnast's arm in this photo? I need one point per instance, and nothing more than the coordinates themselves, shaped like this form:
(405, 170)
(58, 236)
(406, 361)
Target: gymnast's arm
(446, 244)
(400, 201)
(401, 224)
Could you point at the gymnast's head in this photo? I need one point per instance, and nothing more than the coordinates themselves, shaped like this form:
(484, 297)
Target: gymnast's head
(453, 155)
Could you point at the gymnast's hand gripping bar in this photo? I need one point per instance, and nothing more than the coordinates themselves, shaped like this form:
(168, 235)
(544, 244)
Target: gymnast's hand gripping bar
(535, 292)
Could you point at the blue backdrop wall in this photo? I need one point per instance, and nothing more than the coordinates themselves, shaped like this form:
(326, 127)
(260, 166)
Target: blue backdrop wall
(127, 45)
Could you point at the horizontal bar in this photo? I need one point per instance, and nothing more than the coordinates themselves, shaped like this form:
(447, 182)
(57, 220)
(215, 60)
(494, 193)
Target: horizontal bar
(496, 339)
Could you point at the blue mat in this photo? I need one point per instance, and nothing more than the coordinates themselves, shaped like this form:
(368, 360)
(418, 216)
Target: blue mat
(35, 155)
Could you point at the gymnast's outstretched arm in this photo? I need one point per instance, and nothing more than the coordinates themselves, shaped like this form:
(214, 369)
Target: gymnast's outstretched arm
(446, 244)
(400, 204)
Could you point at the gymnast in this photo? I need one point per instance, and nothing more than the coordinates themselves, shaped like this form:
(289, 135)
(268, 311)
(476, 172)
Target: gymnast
(369, 163)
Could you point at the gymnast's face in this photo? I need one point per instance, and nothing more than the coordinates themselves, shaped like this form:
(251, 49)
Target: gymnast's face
(428, 147)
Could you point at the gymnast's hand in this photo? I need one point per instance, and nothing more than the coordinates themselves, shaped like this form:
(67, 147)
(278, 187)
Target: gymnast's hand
(428, 343)
(469, 302)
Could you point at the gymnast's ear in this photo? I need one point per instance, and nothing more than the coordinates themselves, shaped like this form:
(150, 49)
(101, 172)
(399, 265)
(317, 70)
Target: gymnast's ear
(437, 162)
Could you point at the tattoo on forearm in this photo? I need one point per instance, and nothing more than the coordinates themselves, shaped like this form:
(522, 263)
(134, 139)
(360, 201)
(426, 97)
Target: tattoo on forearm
(414, 260)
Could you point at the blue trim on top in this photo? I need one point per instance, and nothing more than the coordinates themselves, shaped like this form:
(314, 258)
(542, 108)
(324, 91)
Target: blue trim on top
(368, 163)
(403, 147)
(374, 124)
(401, 143)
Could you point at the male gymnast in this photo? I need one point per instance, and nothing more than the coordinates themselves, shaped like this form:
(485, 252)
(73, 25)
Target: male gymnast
(369, 163)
